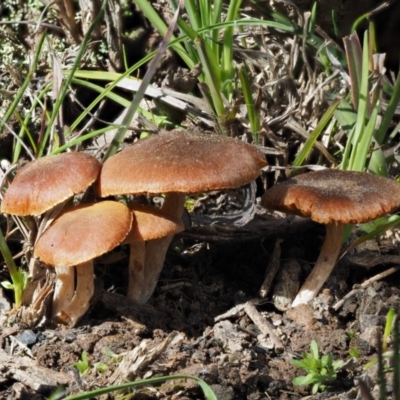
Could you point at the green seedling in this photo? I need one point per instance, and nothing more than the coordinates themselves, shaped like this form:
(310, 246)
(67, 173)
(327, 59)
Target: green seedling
(83, 365)
(384, 352)
(19, 277)
(321, 370)
(111, 358)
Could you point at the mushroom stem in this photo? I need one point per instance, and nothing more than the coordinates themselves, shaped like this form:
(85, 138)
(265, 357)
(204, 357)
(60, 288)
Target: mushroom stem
(83, 293)
(63, 291)
(156, 250)
(136, 271)
(174, 204)
(324, 265)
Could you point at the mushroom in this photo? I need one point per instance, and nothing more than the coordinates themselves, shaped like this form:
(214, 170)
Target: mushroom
(149, 223)
(45, 183)
(74, 239)
(334, 198)
(177, 163)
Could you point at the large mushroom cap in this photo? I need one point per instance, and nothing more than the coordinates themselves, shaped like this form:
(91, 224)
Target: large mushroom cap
(180, 162)
(84, 232)
(42, 184)
(151, 223)
(329, 195)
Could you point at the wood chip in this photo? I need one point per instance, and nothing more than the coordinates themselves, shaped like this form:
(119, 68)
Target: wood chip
(31, 374)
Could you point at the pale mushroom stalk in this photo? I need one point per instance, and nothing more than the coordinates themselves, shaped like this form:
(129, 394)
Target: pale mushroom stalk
(324, 265)
(136, 269)
(151, 228)
(63, 291)
(156, 250)
(84, 291)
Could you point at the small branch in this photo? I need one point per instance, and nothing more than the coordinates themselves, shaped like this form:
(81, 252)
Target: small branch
(365, 284)
(264, 325)
(272, 269)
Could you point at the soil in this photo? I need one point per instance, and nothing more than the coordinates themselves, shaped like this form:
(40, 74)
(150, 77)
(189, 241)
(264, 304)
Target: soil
(206, 317)
(203, 308)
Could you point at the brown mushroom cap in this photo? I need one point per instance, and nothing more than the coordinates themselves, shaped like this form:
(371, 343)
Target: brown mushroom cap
(42, 184)
(180, 162)
(151, 223)
(84, 232)
(329, 195)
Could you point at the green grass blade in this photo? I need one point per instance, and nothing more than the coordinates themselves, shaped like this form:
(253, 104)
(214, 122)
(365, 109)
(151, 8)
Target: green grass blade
(81, 139)
(14, 272)
(354, 56)
(22, 89)
(67, 82)
(227, 64)
(378, 162)
(396, 360)
(375, 228)
(193, 14)
(362, 147)
(308, 146)
(208, 393)
(313, 19)
(381, 372)
(117, 140)
(254, 116)
(388, 328)
(149, 12)
(389, 113)
(212, 75)
(360, 139)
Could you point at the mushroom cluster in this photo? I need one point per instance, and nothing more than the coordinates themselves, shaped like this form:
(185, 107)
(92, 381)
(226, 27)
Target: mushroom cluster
(334, 198)
(173, 164)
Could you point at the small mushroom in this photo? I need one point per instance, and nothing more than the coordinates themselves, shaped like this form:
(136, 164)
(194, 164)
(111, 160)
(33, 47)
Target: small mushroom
(334, 198)
(42, 184)
(149, 224)
(48, 181)
(175, 164)
(74, 239)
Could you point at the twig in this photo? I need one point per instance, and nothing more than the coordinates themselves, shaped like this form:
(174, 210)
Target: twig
(272, 269)
(365, 284)
(262, 324)
(237, 310)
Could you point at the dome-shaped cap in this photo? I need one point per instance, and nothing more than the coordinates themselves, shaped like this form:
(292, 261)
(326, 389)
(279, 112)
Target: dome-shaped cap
(43, 183)
(84, 232)
(329, 195)
(179, 161)
(151, 223)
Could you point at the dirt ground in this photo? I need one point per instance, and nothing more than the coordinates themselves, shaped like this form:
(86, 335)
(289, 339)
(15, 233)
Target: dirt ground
(207, 318)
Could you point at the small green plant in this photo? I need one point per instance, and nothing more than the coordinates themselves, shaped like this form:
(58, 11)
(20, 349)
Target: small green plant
(320, 370)
(18, 276)
(354, 352)
(83, 365)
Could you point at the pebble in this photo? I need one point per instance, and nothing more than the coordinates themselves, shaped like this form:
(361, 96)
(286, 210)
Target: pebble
(26, 337)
